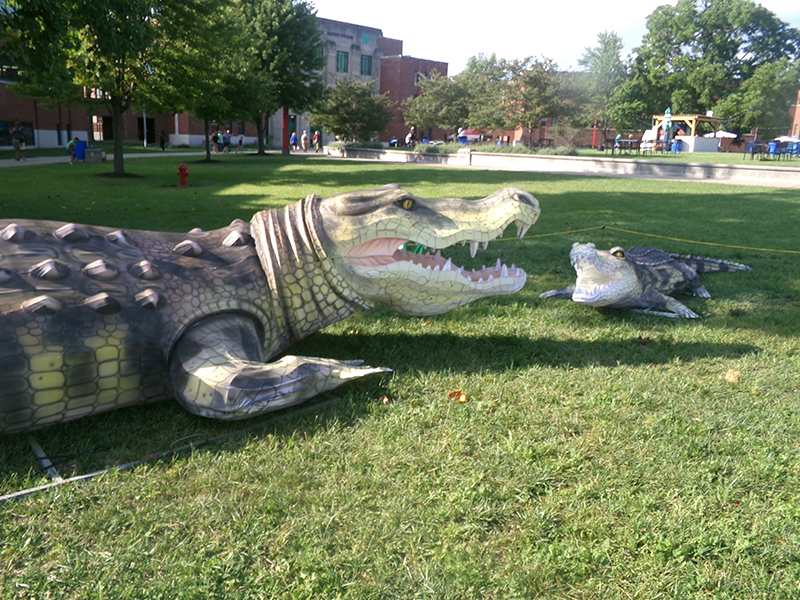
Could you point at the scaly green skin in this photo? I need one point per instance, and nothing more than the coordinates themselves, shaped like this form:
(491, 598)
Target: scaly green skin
(93, 319)
(639, 277)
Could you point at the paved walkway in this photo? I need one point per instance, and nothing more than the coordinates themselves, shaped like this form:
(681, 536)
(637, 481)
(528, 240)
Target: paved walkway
(51, 160)
(47, 160)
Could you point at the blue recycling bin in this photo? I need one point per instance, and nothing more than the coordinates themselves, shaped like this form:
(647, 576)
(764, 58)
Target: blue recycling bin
(80, 150)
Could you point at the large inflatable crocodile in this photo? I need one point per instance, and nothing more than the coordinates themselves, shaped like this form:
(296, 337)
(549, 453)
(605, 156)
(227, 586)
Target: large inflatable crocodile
(93, 319)
(639, 278)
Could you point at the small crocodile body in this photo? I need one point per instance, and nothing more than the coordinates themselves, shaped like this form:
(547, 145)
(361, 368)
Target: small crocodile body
(638, 278)
(95, 318)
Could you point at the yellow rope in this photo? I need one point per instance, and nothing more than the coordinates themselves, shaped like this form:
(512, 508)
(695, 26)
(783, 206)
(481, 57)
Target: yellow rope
(663, 237)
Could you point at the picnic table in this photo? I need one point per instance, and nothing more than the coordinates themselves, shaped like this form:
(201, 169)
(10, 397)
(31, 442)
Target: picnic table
(770, 150)
(625, 146)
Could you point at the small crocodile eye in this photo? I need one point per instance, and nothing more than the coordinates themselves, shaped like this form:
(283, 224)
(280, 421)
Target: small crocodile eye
(407, 203)
(618, 252)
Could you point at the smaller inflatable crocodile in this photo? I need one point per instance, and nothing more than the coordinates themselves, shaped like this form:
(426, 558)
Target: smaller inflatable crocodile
(639, 277)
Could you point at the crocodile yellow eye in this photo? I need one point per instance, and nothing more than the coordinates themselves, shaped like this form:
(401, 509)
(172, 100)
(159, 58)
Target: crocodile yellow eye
(407, 203)
(618, 252)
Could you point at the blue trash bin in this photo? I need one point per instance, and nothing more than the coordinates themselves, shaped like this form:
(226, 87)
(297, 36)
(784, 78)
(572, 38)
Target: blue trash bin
(676, 145)
(80, 150)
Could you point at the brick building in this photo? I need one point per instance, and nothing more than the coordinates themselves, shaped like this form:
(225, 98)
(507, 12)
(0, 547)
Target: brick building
(794, 131)
(351, 50)
(400, 79)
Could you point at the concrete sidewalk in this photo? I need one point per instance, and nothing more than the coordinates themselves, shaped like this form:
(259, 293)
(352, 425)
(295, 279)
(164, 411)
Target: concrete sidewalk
(51, 160)
(758, 176)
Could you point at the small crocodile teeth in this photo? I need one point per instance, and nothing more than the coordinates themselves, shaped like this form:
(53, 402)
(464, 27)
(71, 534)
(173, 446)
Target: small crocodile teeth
(473, 249)
(522, 229)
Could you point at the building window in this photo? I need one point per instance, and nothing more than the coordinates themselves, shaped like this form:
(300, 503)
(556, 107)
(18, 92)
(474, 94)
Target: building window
(365, 38)
(342, 62)
(416, 77)
(553, 122)
(366, 65)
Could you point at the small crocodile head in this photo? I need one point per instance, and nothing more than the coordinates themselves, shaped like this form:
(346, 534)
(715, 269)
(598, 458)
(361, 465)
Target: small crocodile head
(366, 235)
(605, 277)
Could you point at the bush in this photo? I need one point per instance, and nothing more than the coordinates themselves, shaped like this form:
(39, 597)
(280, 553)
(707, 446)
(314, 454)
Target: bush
(451, 148)
(558, 151)
(367, 145)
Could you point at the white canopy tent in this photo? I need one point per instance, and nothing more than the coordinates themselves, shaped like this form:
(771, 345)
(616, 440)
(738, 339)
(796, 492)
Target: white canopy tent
(720, 134)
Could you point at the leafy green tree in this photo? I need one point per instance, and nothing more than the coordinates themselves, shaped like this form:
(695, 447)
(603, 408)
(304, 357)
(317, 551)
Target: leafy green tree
(113, 49)
(699, 52)
(189, 73)
(42, 74)
(483, 83)
(442, 102)
(534, 92)
(762, 102)
(606, 71)
(286, 43)
(352, 110)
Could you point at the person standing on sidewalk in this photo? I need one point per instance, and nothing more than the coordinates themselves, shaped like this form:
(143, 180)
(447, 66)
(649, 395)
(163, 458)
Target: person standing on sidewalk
(18, 139)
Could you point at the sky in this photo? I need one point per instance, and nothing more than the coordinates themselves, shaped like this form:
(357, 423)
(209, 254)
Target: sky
(453, 31)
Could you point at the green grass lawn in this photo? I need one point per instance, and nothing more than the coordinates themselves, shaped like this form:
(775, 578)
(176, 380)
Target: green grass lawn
(600, 453)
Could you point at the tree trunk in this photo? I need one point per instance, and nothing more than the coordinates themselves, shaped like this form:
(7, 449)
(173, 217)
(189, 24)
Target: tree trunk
(208, 146)
(258, 120)
(285, 144)
(118, 127)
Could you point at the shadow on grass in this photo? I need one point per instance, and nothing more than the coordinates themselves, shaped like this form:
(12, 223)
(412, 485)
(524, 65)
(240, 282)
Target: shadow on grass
(131, 434)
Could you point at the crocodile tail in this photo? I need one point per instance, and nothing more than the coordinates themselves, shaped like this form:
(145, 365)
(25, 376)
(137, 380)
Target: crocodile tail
(701, 264)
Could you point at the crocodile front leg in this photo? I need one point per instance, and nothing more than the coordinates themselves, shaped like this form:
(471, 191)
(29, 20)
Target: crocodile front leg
(653, 300)
(218, 370)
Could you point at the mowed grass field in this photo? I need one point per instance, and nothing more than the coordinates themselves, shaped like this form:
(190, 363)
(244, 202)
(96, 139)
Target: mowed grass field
(599, 453)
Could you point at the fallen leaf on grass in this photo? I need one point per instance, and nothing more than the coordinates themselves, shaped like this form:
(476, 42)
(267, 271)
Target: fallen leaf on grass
(385, 400)
(733, 376)
(458, 396)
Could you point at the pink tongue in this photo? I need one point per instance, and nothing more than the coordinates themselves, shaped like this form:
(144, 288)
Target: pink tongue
(380, 247)
(372, 261)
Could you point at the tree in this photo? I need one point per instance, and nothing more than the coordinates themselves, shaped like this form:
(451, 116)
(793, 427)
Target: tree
(534, 92)
(42, 74)
(351, 110)
(607, 71)
(189, 73)
(109, 49)
(442, 102)
(762, 102)
(698, 52)
(483, 83)
(286, 44)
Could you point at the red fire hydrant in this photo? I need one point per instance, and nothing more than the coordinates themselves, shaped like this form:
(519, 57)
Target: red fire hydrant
(183, 173)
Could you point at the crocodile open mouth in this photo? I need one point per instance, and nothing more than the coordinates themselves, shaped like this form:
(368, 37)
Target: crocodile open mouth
(383, 252)
(593, 278)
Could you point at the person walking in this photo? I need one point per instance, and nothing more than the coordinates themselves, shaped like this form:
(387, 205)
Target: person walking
(293, 141)
(18, 139)
(316, 141)
(304, 141)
